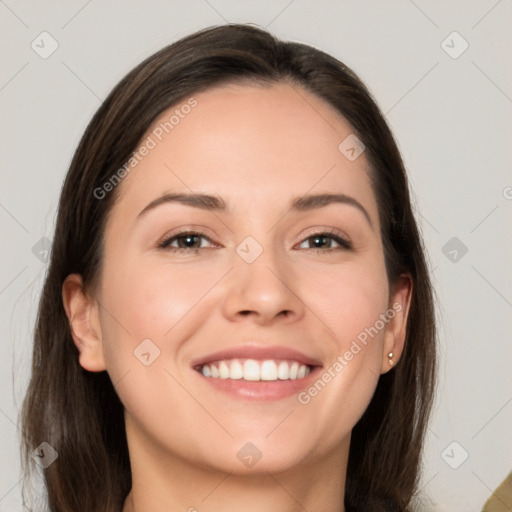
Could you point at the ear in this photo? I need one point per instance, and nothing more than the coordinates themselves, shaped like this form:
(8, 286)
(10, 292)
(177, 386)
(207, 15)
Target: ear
(83, 315)
(398, 312)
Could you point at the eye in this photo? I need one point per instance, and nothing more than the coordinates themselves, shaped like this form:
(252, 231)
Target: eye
(187, 241)
(191, 242)
(324, 240)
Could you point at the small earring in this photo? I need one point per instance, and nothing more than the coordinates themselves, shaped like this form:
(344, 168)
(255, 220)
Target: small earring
(390, 355)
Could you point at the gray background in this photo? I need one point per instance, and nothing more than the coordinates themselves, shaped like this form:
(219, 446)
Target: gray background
(451, 116)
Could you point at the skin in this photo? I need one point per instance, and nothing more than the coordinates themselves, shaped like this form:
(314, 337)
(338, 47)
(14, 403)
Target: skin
(258, 148)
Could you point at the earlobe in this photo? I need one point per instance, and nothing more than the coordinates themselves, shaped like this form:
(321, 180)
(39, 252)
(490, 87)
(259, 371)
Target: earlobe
(398, 312)
(84, 322)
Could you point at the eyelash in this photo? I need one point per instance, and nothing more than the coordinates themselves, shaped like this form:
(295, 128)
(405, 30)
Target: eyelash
(344, 244)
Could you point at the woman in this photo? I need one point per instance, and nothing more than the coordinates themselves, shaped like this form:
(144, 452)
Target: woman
(238, 312)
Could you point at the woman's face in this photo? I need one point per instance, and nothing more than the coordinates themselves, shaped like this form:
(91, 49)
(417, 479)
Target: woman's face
(272, 275)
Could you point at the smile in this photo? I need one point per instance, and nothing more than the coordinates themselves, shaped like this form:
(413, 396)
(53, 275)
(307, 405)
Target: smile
(254, 370)
(257, 372)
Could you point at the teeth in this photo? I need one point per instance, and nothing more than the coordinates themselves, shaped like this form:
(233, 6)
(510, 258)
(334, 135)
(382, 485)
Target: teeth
(252, 370)
(269, 370)
(223, 370)
(283, 371)
(293, 370)
(236, 371)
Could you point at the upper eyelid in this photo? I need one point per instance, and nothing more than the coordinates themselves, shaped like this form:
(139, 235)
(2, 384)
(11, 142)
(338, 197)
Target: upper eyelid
(168, 238)
(328, 231)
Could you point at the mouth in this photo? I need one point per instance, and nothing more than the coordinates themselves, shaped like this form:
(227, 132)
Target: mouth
(258, 373)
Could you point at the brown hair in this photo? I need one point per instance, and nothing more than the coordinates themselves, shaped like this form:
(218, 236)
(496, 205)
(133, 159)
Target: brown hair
(78, 412)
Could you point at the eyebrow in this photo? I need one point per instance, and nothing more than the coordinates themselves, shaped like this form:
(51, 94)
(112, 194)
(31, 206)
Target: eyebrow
(215, 203)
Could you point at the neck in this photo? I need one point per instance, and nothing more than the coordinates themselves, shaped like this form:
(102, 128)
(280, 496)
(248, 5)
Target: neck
(174, 485)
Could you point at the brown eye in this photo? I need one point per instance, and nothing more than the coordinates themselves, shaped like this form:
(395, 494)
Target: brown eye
(186, 241)
(325, 241)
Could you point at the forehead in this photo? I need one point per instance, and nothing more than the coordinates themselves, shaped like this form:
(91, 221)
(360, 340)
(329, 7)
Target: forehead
(252, 144)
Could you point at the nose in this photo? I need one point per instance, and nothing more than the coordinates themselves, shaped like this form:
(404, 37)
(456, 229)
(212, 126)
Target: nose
(264, 291)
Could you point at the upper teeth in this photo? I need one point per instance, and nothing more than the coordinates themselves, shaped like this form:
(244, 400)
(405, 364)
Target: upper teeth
(251, 369)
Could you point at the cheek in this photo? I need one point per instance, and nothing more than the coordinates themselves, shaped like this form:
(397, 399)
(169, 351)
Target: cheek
(148, 313)
(159, 299)
(350, 303)
(151, 301)
(347, 299)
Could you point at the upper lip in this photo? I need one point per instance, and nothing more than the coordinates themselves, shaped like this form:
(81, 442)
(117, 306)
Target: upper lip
(257, 352)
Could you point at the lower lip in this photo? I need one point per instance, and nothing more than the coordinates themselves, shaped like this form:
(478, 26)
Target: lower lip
(261, 389)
